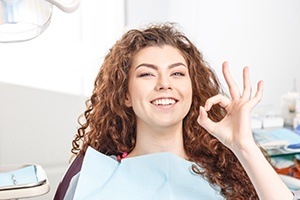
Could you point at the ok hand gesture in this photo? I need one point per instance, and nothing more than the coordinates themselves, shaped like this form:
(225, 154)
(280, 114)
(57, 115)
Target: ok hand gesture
(234, 130)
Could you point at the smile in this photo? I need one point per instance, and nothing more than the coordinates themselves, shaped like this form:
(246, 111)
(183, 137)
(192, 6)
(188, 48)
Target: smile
(164, 102)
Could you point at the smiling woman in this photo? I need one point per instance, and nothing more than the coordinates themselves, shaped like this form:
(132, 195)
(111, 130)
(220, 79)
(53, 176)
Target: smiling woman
(159, 88)
(160, 94)
(157, 108)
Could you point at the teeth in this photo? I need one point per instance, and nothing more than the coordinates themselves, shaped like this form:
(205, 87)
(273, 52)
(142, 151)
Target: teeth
(164, 102)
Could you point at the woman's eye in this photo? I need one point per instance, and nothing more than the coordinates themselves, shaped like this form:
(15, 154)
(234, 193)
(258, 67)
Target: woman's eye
(145, 74)
(178, 74)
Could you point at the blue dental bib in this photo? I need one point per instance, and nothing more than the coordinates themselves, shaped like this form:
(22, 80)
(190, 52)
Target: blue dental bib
(158, 176)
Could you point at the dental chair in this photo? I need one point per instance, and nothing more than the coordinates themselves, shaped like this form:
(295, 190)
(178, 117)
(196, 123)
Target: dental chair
(23, 181)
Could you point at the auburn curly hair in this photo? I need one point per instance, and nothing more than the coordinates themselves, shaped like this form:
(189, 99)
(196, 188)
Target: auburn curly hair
(110, 126)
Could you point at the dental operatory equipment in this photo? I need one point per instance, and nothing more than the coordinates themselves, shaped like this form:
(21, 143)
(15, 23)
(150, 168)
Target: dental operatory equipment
(23, 181)
(22, 20)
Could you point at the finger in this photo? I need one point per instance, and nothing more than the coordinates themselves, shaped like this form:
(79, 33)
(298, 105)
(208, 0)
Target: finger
(247, 84)
(258, 95)
(233, 88)
(204, 121)
(217, 99)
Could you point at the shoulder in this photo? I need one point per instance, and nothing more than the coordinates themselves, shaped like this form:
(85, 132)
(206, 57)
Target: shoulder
(73, 169)
(69, 180)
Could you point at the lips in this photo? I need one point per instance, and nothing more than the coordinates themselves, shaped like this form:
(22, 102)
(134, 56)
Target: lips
(164, 101)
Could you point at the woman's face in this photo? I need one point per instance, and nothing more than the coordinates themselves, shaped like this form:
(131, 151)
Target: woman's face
(160, 89)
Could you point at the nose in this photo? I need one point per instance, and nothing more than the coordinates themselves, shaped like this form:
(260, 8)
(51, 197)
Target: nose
(163, 83)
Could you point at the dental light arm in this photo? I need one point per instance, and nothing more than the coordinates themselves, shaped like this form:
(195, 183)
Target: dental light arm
(66, 7)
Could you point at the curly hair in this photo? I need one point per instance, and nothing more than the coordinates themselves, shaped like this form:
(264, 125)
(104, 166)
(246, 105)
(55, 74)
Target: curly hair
(110, 126)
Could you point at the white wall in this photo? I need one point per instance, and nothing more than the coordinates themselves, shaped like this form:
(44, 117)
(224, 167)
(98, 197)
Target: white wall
(67, 56)
(261, 34)
(37, 127)
(44, 83)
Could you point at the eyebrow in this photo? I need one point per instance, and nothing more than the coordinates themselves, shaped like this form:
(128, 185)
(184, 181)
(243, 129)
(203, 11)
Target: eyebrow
(155, 67)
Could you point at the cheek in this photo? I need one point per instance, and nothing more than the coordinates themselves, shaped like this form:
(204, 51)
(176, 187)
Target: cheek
(140, 94)
(187, 93)
(138, 91)
(186, 88)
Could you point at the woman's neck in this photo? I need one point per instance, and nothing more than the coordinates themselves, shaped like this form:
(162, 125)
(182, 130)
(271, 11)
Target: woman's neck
(158, 140)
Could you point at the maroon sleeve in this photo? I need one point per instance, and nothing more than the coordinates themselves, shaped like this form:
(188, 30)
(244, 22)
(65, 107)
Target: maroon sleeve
(73, 169)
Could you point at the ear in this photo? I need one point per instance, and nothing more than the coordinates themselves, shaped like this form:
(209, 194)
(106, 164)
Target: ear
(128, 101)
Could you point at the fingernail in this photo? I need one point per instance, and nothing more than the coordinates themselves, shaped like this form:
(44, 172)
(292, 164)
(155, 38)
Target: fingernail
(202, 110)
(206, 107)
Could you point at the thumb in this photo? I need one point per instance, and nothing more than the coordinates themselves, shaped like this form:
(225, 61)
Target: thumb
(204, 121)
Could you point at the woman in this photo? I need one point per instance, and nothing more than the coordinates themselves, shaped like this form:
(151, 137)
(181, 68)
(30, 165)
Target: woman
(155, 93)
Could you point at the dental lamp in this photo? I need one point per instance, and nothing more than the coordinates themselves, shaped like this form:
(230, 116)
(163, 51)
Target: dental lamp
(22, 20)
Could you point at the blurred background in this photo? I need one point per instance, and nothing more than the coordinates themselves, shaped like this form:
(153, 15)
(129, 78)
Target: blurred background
(45, 81)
